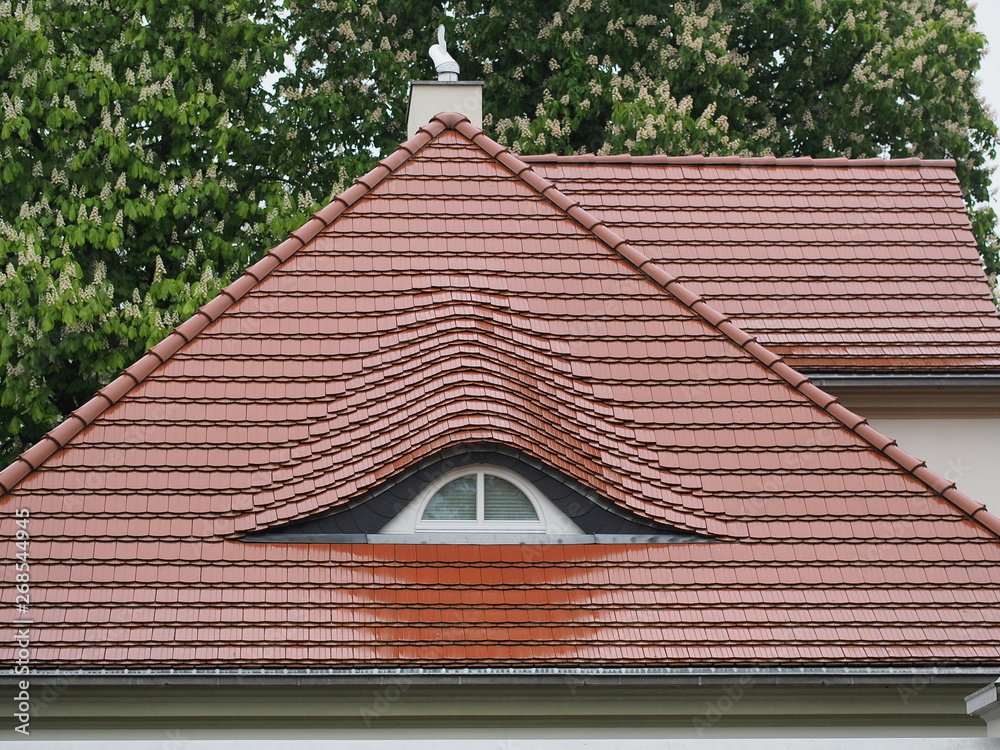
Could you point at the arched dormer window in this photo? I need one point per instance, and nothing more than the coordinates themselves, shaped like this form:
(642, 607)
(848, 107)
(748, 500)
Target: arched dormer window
(502, 499)
(481, 498)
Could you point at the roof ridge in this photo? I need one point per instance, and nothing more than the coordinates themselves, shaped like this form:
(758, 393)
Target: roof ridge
(722, 323)
(106, 397)
(698, 159)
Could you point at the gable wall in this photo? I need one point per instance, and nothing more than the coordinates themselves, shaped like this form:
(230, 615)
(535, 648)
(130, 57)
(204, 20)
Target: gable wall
(956, 432)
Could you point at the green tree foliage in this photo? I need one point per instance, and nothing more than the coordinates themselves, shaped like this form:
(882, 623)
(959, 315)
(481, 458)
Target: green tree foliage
(144, 161)
(802, 77)
(137, 171)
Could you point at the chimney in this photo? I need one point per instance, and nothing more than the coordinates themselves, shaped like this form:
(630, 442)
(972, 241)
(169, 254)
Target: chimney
(446, 94)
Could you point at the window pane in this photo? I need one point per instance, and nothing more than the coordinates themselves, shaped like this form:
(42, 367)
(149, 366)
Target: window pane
(456, 501)
(502, 501)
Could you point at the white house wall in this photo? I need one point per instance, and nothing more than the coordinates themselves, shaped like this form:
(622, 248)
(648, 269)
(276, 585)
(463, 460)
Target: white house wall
(957, 433)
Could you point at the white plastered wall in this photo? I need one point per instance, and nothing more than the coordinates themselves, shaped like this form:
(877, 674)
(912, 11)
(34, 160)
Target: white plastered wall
(956, 432)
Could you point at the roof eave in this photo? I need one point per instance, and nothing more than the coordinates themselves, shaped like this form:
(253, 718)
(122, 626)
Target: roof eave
(905, 380)
(585, 676)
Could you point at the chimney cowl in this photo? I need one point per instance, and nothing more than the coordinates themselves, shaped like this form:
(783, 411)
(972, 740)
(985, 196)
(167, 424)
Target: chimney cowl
(445, 65)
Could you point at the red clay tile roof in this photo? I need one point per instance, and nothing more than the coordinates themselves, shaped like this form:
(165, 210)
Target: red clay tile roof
(835, 264)
(452, 296)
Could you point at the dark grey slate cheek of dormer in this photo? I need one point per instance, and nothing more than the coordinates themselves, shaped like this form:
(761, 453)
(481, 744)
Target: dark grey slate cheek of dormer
(363, 519)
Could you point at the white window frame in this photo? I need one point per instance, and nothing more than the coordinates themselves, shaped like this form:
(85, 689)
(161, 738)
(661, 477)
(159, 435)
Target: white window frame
(550, 519)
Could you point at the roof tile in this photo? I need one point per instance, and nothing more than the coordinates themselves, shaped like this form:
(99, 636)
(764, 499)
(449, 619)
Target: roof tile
(433, 314)
(735, 201)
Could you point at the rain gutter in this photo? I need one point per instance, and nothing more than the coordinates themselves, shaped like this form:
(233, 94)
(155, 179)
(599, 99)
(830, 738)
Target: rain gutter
(623, 677)
(905, 380)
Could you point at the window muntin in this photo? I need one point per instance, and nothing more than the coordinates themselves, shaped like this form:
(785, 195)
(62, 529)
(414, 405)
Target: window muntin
(510, 504)
(480, 498)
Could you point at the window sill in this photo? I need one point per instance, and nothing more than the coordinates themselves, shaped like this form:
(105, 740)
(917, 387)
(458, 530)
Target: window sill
(481, 538)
